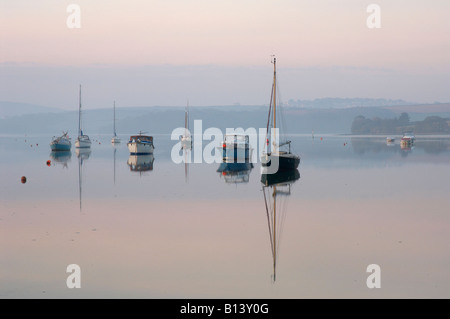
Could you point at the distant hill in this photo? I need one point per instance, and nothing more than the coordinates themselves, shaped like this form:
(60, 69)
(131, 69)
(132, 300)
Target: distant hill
(163, 120)
(399, 125)
(341, 103)
(8, 109)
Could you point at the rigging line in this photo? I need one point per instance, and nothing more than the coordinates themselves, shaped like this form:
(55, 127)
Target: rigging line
(268, 222)
(283, 214)
(281, 116)
(268, 119)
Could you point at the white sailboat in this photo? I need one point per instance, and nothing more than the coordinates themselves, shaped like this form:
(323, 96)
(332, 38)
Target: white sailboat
(83, 141)
(186, 138)
(280, 160)
(115, 139)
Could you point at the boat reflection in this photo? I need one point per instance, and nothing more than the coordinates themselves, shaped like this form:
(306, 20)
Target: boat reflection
(114, 158)
(61, 157)
(236, 159)
(186, 148)
(277, 189)
(141, 163)
(82, 155)
(235, 173)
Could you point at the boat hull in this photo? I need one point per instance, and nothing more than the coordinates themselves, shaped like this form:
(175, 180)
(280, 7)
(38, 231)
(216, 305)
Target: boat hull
(285, 161)
(83, 142)
(60, 147)
(140, 148)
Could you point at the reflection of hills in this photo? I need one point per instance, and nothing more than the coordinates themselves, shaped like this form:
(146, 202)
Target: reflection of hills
(141, 163)
(235, 172)
(276, 190)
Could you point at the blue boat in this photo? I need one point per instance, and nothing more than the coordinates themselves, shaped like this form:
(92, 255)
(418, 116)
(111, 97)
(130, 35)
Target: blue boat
(61, 143)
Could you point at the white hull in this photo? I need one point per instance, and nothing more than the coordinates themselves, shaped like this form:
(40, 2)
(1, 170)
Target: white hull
(137, 148)
(83, 142)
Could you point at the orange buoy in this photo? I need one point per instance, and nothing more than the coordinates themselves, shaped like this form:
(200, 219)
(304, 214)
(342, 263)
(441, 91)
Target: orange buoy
(23, 179)
(49, 162)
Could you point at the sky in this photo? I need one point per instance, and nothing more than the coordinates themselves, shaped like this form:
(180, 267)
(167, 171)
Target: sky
(218, 52)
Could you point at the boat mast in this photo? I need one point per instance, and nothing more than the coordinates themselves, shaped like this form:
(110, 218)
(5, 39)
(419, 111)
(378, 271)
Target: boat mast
(114, 123)
(186, 120)
(274, 101)
(274, 231)
(79, 114)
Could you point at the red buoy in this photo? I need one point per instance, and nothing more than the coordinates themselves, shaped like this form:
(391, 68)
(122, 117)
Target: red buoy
(49, 162)
(23, 179)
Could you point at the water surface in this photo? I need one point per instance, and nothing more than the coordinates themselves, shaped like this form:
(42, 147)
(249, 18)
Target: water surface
(187, 231)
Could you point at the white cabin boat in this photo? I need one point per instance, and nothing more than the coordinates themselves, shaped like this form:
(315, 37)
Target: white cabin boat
(140, 144)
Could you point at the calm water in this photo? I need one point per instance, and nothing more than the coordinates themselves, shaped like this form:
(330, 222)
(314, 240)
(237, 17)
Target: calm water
(177, 231)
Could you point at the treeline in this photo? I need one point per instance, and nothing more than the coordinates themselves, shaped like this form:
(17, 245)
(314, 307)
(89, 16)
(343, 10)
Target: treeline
(430, 125)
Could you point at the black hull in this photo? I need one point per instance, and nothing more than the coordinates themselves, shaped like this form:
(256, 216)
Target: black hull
(281, 177)
(285, 162)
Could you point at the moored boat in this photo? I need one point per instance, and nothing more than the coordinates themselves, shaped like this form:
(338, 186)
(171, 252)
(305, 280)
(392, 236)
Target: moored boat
(140, 144)
(61, 143)
(115, 139)
(236, 148)
(276, 160)
(83, 141)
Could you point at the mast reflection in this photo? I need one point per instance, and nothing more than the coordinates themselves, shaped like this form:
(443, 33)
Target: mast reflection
(276, 189)
(82, 154)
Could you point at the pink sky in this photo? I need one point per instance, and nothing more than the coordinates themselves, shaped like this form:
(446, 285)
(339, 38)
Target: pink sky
(413, 40)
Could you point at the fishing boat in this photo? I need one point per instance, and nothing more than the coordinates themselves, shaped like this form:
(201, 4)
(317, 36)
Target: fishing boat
(236, 148)
(276, 159)
(406, 143)
(61, 143)
(409, 136)
(115, 139)
(83, 141)
(236, 158)
(140, 144)
(186, 138)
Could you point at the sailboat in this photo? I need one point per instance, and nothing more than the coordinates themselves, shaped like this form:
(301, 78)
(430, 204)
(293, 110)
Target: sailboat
(115, 139)
(276, 188)
(186, 139)
(82, 141)
(277, 159)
